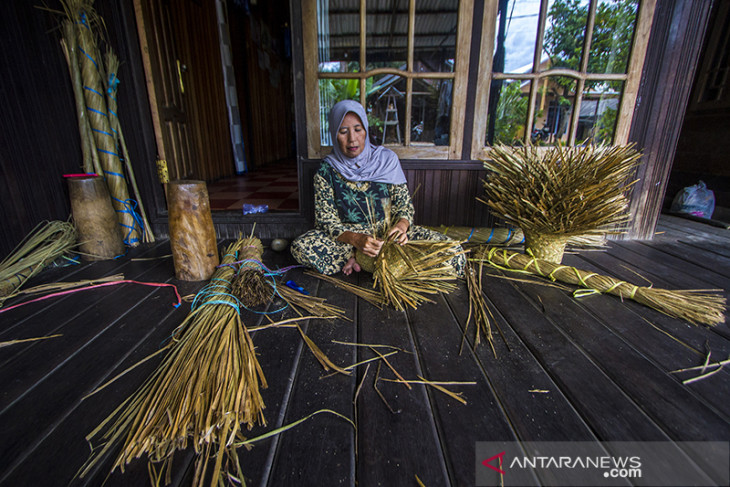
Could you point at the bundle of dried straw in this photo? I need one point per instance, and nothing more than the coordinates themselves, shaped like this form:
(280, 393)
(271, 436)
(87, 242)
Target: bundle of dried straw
(44, 244)
(404, 274)
(205, 388)
(694, 306)
(508, 236)
(98, 129)
(558, 192)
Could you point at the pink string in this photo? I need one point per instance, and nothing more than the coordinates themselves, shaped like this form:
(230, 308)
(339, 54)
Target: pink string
(95, 286)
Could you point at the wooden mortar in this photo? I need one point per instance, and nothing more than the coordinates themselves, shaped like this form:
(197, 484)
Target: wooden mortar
(99, 234)
(192, 235)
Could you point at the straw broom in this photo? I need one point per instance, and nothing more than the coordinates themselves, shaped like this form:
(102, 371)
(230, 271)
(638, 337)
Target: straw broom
(81, 13)
(44, 244)
(205, 388)
(696, 307)
(559, 192)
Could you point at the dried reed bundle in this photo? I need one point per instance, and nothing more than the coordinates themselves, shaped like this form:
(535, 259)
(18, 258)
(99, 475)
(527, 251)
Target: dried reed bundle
(310, 304)
(694, 306)
(249, 284)
(559, 192)
(477, 306)
(44, 244)
(508, 236)
(111, 62)
(84, 20)
(205, 388)
(70, 50)
(404, 273)
(372, 297)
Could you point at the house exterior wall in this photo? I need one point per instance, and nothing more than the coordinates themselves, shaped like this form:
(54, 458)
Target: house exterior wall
(39, 139)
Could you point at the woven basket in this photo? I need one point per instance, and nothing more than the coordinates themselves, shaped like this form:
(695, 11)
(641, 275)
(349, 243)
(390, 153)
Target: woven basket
(544, 246)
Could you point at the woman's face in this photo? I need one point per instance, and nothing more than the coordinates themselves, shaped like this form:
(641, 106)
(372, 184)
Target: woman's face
(351, 135)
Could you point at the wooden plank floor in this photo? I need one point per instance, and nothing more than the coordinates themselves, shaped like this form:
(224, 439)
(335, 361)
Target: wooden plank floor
(566, 370)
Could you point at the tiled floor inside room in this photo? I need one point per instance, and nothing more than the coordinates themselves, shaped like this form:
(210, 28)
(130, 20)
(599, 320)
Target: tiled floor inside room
(275, 186)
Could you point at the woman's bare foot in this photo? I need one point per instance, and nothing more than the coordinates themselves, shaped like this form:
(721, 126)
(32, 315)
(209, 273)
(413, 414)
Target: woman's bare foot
(350, 266)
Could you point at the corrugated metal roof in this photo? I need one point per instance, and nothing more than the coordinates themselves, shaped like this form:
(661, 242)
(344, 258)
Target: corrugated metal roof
(387, 26)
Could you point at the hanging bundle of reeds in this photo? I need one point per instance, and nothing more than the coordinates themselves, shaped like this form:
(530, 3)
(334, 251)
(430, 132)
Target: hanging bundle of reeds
(694, 306)
(44, 244)
(559, 192)
(87, 68)
(200, 395)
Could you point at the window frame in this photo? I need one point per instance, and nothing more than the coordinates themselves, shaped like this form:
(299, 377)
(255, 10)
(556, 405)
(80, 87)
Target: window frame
(315, 150)
(631, 78)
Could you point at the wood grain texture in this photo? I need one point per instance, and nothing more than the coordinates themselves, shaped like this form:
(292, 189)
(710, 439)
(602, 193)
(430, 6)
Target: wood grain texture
(192, 235)
(99, 234)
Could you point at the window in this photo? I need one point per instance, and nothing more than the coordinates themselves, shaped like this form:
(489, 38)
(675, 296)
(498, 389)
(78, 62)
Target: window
(406, 61)
(559, 71)
(550, 71)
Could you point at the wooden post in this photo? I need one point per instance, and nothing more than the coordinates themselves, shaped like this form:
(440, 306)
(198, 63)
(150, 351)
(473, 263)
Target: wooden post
(192, 235)
(95, 219)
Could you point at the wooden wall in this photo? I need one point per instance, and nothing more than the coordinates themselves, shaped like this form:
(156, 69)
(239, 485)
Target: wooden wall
(671, 60)
(704, 145)
(39, 140)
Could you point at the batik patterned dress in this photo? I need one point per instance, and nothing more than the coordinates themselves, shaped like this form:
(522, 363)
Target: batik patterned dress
(341, 206)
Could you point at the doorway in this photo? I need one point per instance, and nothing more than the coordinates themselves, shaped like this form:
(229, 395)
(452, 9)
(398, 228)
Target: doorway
(220, 86)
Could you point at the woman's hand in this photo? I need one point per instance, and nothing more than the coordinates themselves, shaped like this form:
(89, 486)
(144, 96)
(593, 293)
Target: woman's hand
(399, 232)
(367, 244)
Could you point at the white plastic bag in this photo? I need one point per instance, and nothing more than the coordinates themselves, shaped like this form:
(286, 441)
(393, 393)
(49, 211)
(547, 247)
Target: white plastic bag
(696, 200)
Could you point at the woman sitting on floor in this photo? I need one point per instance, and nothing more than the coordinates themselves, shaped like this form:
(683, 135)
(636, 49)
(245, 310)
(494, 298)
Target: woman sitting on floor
(351, 189)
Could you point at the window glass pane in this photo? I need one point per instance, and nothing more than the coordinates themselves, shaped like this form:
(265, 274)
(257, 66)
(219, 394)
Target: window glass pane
(598, 110)
(386, 105)
(612, 35)
(508, 112)
(338, 36)
(431, 111)
(387, 34)
(330, 92)
(565, 32)
(553, 107)
(435, 36)
(516, 32)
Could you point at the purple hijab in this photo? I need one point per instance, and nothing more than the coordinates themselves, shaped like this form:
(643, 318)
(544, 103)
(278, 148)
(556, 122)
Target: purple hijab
(375, 163)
